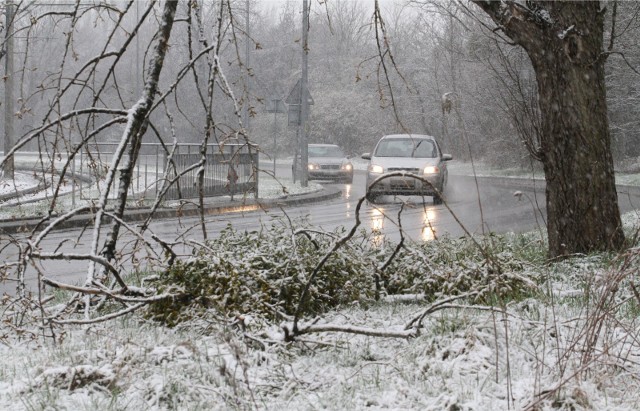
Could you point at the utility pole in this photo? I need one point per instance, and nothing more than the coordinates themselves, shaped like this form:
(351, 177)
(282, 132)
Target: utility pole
(8, 91)
(247, 78)
(304, 102)
(137, 73)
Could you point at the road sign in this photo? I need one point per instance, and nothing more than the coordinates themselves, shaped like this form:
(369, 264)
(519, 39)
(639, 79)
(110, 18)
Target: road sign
(275, 105)
(294, 95)
(293, 116)
(295, 106)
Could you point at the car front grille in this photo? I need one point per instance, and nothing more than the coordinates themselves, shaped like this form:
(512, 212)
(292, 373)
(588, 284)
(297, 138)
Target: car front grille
(402, 184)
(408, 170)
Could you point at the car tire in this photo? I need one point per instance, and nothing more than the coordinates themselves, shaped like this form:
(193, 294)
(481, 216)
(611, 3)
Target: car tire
(437, 200)
(372, 198)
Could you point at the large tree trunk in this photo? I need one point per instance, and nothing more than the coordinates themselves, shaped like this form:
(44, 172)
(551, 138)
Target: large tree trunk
(565, 43)
(582, 203)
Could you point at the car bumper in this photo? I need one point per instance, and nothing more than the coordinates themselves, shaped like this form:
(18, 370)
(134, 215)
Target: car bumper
(403, 185)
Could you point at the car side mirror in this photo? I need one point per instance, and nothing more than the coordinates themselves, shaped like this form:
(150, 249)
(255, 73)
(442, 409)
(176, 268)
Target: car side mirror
(366, 156)
(447, 157)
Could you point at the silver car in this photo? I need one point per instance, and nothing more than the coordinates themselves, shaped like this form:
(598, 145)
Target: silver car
(409, 153)
(328, 162)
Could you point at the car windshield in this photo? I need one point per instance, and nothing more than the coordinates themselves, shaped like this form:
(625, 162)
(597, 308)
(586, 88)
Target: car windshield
(406, 147)
(325, 151)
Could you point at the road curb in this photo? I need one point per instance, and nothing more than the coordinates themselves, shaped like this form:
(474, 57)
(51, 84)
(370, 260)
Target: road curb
(190, 209)
(20, 193)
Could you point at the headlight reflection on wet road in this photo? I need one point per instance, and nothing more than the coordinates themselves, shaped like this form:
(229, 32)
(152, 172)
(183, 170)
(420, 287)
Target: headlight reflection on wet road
(377, 220)
(377, 224)
(428, 228)
(419, 224)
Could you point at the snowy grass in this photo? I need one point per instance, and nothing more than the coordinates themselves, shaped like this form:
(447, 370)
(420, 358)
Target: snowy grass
(571, 346)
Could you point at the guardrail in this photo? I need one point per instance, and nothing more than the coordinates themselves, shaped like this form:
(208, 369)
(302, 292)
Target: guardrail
(228, 169)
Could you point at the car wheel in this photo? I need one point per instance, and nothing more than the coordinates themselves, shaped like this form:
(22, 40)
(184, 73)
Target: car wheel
(437, 200)
(372, 198)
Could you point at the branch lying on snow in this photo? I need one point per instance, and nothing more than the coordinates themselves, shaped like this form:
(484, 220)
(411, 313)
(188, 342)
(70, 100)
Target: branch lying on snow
(290, 334)
(295, 330)
(104, 318)
(411, 330)
(343, 240)
(436, 306)
(116, 295)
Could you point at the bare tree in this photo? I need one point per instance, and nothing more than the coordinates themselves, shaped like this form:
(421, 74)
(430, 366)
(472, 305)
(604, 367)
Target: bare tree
(85, 95)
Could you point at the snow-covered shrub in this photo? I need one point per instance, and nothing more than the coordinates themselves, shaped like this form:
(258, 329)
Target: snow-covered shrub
(454, 266)
(264, 272)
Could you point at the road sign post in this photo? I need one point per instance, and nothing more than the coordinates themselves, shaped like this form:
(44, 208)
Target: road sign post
(275, 106)
(304, 102)
(297, 119)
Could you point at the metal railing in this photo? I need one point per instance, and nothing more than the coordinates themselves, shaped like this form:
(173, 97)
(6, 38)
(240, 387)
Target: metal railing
(228, 169)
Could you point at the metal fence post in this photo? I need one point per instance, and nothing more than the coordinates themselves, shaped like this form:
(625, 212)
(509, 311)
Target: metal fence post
(73, 182)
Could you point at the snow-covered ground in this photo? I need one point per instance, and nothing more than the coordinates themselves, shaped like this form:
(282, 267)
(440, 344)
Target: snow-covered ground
(21, 181)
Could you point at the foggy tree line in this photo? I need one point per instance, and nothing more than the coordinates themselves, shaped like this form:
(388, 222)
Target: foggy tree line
(438, 49)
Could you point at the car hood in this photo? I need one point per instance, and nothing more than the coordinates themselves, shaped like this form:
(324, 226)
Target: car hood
(404, 162)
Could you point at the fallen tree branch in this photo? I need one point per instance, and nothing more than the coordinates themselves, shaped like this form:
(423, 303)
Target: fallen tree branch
(117, 295)
(104, 318)
(436, 306)
(323, 328)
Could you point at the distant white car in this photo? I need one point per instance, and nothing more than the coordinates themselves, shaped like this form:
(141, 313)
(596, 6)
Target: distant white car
(415, 154)
(328, 162)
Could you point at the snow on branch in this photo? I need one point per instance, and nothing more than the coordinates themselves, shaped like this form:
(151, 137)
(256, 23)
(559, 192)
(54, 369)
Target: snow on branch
(349, 329)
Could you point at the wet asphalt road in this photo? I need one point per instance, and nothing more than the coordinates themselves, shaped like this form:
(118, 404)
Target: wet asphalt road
(472, 208)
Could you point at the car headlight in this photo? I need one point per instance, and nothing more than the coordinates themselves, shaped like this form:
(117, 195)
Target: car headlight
(376, 169)
(347, 167)
(312, 166)
(431, 170)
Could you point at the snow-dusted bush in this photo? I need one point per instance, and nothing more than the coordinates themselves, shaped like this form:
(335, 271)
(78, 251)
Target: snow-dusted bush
(264, 272)
(497, 268)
